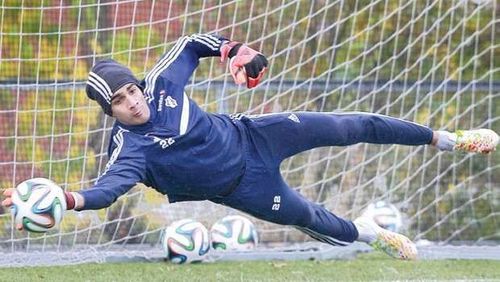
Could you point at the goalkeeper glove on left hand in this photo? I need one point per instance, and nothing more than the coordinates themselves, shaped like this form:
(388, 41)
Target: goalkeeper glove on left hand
(243, 58)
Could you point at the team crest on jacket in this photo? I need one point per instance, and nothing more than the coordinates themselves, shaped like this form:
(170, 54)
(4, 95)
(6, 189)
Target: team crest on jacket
(294, 118)
(170, 102)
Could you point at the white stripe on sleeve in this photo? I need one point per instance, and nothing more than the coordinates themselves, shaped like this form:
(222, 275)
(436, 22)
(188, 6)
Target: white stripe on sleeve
(162, 65)
(118, 139)
(183, 126)
(210, 41)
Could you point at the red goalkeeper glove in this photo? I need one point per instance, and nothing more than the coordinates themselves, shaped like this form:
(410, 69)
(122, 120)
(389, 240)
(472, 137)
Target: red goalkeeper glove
(244, 59)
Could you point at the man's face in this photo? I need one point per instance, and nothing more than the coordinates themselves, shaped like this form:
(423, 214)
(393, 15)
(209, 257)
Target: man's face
(129, 105)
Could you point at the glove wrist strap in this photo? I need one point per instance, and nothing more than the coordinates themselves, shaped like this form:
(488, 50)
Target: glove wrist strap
(226, 48)
(234, 50)
(70, 200)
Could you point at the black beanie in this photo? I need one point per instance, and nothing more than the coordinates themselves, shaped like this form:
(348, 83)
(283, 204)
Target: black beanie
(105, 78)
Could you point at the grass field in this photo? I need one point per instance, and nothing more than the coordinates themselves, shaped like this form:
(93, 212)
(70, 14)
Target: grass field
(365, 267)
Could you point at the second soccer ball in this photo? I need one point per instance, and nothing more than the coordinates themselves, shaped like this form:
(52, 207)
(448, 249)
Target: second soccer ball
(235, 233)
(386, 215)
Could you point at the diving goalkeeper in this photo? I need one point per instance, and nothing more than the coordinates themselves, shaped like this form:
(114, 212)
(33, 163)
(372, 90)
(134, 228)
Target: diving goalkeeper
(163, 139)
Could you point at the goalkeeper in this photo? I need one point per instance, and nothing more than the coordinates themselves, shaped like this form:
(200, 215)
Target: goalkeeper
(163, 139)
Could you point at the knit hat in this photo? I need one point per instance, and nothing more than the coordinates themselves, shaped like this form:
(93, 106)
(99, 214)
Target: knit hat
(105, 78)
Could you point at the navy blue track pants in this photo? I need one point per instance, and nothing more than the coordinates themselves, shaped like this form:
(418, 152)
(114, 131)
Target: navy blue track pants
(269, 139)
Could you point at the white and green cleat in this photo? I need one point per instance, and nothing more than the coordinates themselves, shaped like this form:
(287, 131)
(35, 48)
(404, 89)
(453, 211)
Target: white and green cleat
(394, 244)
(481, 141)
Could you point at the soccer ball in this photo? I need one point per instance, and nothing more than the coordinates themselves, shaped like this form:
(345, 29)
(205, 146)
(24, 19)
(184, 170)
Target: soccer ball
(38, 204)
(235, 233)
(385, 214)
(186, 241)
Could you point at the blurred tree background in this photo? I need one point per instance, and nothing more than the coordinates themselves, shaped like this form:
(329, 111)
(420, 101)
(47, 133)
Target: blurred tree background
(432, 62)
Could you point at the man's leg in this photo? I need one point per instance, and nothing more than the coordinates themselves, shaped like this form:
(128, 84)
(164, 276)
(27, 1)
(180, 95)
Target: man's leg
(265, 195)
(287, 134)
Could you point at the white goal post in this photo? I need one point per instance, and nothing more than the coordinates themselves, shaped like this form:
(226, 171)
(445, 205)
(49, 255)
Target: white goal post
(433, 62)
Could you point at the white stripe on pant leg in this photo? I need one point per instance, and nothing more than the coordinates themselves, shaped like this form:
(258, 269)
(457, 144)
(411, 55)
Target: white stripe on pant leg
(326, 238)
(375, 114)
(321, 239)
(329, 239)
(266, 115)
(335, 113)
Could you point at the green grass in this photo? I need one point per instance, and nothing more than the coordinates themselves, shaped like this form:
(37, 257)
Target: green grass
(365, 267)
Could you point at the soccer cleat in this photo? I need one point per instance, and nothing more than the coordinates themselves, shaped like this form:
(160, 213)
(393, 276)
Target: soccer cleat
(394, 244)
(476, 141)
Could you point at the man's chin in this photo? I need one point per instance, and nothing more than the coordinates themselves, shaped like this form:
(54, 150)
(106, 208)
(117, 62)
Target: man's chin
(134, 121)
(141, 119)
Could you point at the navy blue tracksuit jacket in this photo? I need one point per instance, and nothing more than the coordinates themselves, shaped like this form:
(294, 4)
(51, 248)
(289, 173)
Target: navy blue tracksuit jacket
(189, 154)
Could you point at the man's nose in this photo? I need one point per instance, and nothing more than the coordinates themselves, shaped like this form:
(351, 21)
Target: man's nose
(132, 102)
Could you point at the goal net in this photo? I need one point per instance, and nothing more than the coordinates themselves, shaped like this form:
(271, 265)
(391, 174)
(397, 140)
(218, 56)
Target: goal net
(433, 62)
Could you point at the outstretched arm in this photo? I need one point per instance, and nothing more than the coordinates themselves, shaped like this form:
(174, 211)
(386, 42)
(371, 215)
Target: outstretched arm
(125, 168)
(100, 196)
(116, 182)
(179, 63)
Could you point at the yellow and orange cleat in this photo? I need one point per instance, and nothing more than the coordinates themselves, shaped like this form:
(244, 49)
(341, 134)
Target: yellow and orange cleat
(394, 244)
(481, 141)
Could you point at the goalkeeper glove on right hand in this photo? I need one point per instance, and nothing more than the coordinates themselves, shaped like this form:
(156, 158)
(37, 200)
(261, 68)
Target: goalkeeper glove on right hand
(7, 201)
(243, 58)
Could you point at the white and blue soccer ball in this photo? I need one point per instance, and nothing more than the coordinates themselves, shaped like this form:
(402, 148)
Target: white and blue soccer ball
(234, 233)
(385, 214)
(186, 241)
(38, 204)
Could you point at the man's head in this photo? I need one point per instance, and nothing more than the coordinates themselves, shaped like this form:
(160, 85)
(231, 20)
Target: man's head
(118, 92)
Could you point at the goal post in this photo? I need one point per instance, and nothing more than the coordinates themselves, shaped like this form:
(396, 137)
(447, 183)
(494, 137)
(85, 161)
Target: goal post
(433, 62)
